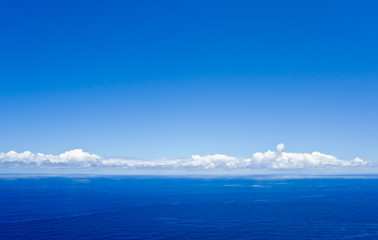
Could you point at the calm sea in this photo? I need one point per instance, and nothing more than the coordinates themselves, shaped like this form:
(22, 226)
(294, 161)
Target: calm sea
(82, 207)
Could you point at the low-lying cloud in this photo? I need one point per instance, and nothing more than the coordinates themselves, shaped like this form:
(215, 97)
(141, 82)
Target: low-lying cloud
(278, 159)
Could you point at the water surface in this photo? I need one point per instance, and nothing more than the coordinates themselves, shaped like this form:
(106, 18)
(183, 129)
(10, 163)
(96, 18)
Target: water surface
(81, 207)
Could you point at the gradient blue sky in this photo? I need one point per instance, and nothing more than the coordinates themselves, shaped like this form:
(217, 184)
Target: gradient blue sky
(153, 79)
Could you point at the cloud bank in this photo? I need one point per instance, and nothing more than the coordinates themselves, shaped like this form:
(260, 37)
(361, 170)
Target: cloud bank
(278, 159)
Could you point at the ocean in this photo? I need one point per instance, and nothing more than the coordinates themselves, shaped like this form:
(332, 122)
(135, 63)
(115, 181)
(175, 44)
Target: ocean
(146, 207)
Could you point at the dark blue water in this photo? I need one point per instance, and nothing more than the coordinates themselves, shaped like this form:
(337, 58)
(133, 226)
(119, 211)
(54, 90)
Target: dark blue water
(158, 208)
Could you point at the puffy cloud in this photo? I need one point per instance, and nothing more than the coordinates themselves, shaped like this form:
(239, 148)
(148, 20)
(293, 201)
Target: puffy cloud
(278, 159)
(280, 147)
(285, 160)
(73, 158)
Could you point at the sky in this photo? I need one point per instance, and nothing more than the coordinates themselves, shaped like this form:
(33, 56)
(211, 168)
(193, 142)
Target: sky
(166, 79)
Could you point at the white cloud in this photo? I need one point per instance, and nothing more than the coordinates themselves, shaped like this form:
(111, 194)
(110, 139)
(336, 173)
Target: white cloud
(280, 147)
(279, 159)
(73, 158)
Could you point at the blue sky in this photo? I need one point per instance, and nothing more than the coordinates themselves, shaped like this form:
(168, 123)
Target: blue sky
(153, 79)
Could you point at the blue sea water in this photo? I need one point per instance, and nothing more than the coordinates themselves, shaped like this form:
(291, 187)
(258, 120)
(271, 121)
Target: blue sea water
(81, 207)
